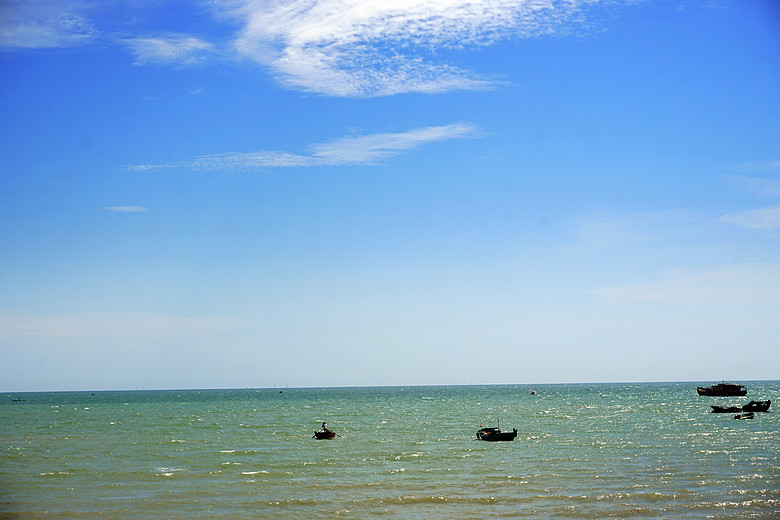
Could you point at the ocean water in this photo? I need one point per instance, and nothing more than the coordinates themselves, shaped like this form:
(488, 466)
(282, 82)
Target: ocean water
(650, 450)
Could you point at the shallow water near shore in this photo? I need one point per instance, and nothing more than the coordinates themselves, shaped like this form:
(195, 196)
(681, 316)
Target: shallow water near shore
(649, 450)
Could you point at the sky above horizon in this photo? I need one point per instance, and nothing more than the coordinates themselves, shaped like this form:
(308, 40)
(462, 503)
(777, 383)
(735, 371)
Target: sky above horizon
(229, 194)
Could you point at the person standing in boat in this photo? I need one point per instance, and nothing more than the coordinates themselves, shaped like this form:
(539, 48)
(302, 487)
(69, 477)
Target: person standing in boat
(325, 426)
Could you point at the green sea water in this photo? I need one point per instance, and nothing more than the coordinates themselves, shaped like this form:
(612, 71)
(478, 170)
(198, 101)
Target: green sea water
(650, 450)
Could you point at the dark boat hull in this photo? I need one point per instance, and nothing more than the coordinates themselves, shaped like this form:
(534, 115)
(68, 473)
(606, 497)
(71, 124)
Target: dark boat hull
(757, 406)
(495, 435)
(324, 434)
(726, 409)
(722, 390)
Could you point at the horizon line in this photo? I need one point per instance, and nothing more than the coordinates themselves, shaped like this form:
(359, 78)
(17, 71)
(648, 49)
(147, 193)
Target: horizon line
(207, 389)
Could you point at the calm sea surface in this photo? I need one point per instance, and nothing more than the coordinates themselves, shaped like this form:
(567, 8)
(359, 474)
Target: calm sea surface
(582, 451)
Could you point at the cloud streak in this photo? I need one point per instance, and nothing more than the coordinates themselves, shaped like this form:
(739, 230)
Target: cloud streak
(758, 166)
(110, 324)
(761, 186)
(763, 219)
(126, 209)
(362, 150)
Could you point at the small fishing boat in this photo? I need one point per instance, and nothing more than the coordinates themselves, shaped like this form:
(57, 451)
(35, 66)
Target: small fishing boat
(495, 434)
(725, 409)
(722, 390)
(757, 406)
(324, 434)
(748, 415)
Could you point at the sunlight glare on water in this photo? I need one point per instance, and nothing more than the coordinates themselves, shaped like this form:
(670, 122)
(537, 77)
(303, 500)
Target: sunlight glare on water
(583, 451)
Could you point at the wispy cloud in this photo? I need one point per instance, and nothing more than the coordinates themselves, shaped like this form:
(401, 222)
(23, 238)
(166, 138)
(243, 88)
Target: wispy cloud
(126, 209)
(757, 166)
(757, 284)
(31, 24)
(101, 325)
(355, 48)
(608, 229)
(361, 150)
(766, 219)
(169, 49)
(767, 185)
(762, 186)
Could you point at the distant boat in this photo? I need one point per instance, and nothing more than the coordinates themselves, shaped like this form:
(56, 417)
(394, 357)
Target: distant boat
(748, 415)
(495, 434)
(533, 392)
(757, 406)
(722, 390)
(324, 434)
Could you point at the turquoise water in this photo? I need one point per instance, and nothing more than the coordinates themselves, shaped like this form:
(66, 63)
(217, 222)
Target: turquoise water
(582, 451)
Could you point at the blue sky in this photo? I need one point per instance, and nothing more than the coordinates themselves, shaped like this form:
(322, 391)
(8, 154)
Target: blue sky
(336, 193)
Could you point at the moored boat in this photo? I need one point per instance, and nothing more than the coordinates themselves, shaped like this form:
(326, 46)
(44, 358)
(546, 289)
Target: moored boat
(495, 434)
(748, 415)
(757, 406)
(725, 409)
(722, 390)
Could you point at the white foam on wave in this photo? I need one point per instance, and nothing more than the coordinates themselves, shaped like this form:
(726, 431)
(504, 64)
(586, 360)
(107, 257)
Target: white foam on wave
(167, 472)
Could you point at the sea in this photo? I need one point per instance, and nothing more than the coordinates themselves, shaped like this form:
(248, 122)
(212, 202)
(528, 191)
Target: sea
(633, 451)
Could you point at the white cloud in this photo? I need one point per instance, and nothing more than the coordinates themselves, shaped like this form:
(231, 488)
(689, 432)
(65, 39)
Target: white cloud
(357, 48)
(126, 209)
(31, 24)
(347, 48)
(747, 284)
(766, 219)
(176, 49)
(369, 149)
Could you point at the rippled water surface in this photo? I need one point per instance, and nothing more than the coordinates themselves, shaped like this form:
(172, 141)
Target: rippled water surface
(582, 451)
